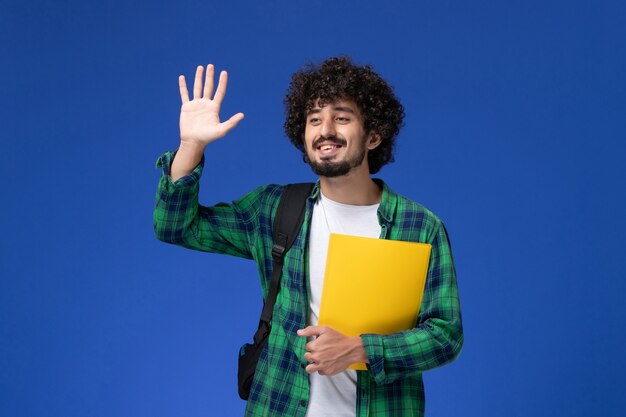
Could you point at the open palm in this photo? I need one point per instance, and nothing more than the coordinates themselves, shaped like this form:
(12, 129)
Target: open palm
(200, 117)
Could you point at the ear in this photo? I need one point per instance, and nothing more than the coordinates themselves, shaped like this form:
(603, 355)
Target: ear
(373, 140)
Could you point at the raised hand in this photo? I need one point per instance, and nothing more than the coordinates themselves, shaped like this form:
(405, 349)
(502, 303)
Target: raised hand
(200, 120)
(200, 117)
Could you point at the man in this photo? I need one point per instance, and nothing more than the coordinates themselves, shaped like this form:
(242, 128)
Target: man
(344, 118)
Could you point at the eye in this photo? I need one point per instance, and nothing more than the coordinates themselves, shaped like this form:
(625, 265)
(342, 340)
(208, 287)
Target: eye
(314, 120)
(343, 119)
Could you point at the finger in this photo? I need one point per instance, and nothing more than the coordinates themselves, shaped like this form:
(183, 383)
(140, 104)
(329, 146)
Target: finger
(208, 81)
(307, 331)
(312, 368)
(311, 331)
(221, 87)
(309, 347)
(303, 332)
(197, 83)
(182, 86)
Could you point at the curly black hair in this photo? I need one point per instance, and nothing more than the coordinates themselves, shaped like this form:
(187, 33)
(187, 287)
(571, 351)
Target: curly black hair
(338, 78)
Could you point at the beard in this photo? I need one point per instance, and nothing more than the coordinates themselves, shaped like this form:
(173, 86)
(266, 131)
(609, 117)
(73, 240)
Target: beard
(330, 169)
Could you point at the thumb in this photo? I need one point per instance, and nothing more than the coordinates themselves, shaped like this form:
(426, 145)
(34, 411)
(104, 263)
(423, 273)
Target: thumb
(232, 122)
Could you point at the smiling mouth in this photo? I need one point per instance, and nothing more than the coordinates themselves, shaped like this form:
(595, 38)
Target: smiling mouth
(328, 144)
(328, 147)
(327, 150)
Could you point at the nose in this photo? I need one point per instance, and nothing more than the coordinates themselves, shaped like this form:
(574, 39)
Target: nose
(328, 128)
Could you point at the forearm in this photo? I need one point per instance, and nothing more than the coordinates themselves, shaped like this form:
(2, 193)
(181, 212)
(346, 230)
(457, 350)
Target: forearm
(435, 343)
(186, 160)
(222, 228)
(176, 210)
(438, 337)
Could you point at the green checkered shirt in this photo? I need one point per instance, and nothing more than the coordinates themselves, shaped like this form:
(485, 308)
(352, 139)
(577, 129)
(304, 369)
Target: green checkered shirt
(392, 385)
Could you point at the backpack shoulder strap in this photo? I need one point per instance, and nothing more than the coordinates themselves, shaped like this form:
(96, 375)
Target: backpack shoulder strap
(287, 224)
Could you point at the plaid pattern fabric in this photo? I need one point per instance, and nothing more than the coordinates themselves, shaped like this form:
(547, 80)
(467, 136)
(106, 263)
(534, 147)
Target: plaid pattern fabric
(392, 385)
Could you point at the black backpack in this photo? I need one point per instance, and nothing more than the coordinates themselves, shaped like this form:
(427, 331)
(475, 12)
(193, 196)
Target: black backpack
(287, 224)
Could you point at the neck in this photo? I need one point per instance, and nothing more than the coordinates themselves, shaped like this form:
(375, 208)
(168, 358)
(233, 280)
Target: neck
(352, 189)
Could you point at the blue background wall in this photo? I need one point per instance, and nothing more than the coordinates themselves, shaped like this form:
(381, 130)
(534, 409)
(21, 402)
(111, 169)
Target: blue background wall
(514, 137)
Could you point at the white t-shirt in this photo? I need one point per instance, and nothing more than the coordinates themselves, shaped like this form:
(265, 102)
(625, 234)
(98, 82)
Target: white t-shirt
(333, 396)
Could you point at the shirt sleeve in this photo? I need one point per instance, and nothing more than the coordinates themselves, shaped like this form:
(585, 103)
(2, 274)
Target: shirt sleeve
(180, 220)
(438, 337)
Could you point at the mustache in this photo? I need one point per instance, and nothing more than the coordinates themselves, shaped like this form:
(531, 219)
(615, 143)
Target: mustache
(333, 139)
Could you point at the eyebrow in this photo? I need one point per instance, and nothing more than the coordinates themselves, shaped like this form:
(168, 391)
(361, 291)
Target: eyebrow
(337, 109)
(344, 109)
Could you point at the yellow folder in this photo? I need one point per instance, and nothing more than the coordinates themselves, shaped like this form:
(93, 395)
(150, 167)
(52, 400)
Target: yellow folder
(372, 285)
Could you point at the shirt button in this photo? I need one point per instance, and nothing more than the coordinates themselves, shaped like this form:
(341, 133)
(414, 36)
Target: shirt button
(303, 403)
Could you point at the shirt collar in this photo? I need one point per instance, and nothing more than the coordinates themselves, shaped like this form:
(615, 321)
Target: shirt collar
(388, 201)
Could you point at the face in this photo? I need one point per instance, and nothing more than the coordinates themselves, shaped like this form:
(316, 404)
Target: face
(334, 139)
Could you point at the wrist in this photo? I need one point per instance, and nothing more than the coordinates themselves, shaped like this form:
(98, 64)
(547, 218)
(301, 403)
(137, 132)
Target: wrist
(358, 350)
(186, 159)
(191, 148)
